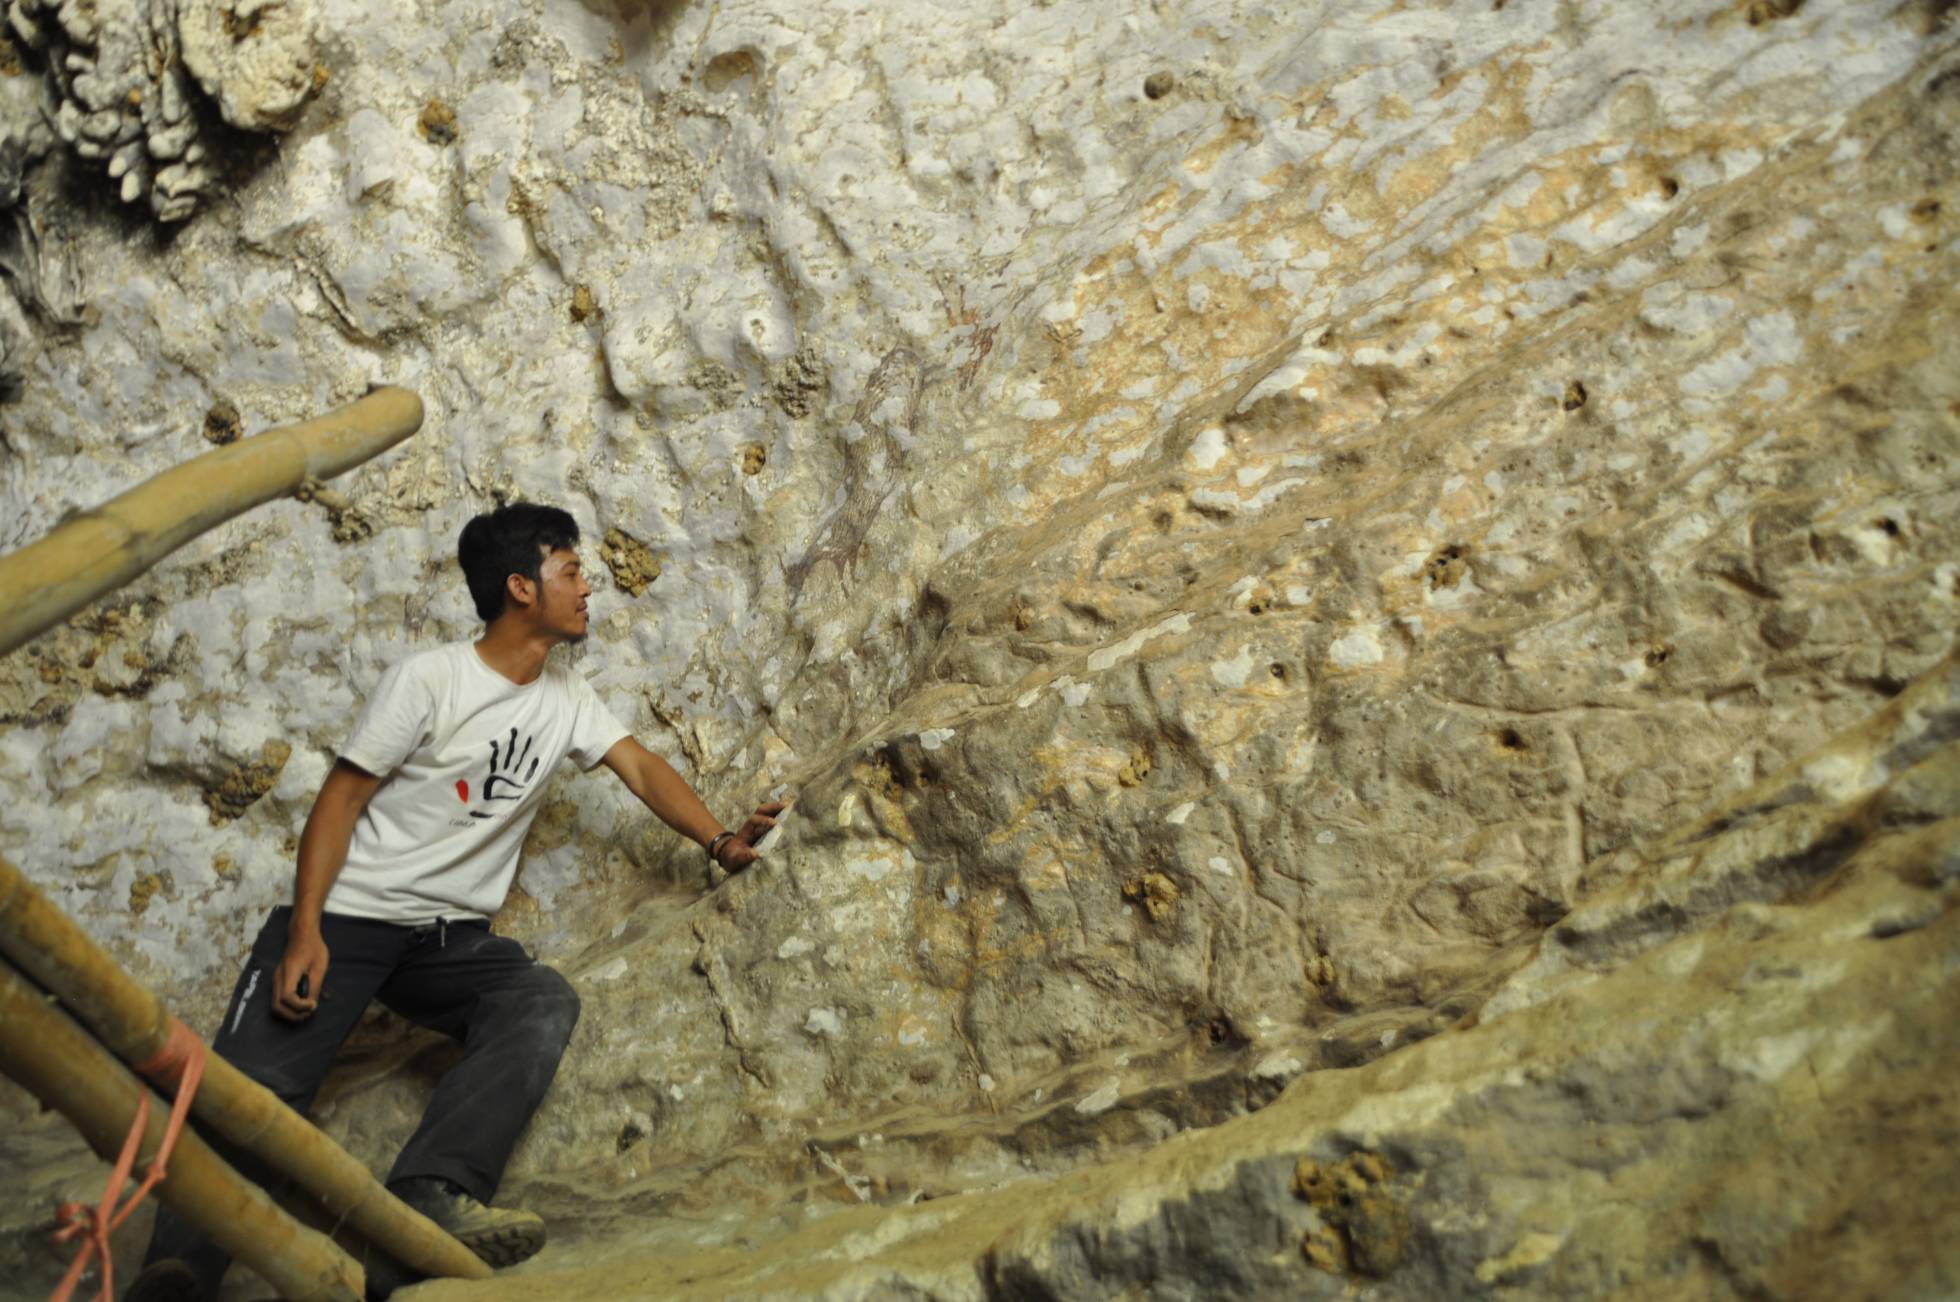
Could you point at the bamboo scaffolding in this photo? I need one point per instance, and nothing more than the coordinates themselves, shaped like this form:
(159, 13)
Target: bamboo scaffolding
(100, 550)
(59, 1063)
(129, 1018)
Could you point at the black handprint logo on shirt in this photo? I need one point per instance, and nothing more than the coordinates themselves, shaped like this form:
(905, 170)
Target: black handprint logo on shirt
(506, 765)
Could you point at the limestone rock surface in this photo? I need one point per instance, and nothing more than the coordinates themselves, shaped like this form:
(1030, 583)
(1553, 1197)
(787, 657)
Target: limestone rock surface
(1243, 528)
(1727, 1073)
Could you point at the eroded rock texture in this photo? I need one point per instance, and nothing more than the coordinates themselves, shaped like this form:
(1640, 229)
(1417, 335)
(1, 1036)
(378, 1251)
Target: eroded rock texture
(1727, 1073)
(128, 72)
(1242, 528)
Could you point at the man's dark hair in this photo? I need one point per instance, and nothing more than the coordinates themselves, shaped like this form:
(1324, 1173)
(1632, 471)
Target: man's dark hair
(512, 539)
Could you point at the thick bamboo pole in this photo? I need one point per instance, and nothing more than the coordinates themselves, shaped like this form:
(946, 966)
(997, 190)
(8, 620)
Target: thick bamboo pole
(47, 945)
(60, 1064)
(100, 550)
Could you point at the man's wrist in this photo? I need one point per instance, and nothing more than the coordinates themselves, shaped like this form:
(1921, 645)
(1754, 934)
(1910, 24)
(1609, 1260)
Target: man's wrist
(716, 842)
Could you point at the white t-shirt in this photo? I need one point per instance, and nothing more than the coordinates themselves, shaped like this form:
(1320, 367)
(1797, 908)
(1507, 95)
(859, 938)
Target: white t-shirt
(465, 754)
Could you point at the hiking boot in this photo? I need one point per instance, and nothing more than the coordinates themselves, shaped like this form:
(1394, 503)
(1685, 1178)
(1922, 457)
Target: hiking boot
(500, 1236)
(169, 1280)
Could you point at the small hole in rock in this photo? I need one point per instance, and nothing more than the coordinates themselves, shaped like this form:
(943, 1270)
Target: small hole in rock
(1447, 566)
(1279, 671)
(1158, 84)
(1669, 187)
(1255, 609)
(1657, 656)
(724, 70)
(1889, 527)
(1510, 739)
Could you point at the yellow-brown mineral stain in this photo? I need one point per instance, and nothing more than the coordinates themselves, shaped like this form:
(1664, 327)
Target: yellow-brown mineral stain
(583, 303)
(1157, 894)
(1324, 1249)
(1363, 1228)
(146, 888)
(222, 424)
(438, 123)
(633, 566)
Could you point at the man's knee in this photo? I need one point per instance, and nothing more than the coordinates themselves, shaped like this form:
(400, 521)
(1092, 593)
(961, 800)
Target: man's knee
(551, 1005)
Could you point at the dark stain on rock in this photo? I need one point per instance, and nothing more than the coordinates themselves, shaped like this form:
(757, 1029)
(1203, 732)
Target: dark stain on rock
(240, 789)
(437, 123)
(802, 378)
(222, 423)
(1446, 568)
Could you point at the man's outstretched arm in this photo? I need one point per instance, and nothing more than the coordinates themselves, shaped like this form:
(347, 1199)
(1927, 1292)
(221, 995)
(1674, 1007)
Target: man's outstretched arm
(667, 794)
(322, 853)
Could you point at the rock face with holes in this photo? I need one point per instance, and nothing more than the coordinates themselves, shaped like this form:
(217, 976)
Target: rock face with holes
(1245, 532)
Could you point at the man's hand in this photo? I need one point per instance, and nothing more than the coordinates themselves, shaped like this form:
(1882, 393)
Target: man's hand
(738, 851)
(305, 960)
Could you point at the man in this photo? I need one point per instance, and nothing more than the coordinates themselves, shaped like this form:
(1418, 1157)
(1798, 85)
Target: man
(409, 850)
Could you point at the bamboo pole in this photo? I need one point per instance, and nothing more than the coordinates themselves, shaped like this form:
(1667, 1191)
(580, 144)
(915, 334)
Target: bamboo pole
(129, 1018)
(60, 1064)
(100, 550)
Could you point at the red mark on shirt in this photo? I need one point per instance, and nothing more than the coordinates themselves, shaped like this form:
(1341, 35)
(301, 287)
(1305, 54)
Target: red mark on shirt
(462, 791)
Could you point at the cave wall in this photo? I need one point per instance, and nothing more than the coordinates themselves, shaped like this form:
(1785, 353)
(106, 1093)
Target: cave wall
(1217, 515)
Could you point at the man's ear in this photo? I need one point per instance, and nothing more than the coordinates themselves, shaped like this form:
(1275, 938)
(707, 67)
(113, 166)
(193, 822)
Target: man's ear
(519, 591)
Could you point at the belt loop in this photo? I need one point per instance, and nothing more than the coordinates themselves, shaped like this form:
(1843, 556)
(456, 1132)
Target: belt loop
(442, 933)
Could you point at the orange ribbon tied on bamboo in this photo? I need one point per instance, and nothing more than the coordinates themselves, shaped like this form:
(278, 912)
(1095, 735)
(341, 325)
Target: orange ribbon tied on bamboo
(178, 1065)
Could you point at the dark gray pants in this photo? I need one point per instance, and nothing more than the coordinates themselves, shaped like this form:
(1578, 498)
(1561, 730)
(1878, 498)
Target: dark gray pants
(513, 1015)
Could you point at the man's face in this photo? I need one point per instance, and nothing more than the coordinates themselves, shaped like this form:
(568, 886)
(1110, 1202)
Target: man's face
(562, 591)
